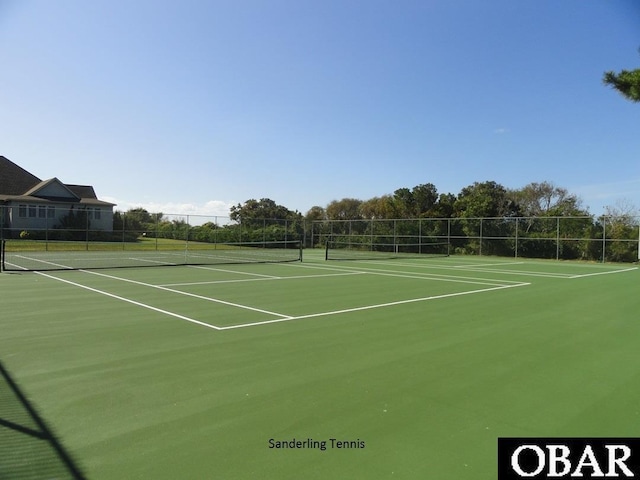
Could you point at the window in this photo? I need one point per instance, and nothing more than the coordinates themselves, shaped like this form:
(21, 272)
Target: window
(42, 211)
(98, 214)
(51, 212)
(32, 211)
(22, 211)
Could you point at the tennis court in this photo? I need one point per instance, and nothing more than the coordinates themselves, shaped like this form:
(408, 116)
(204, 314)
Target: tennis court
(398, 368)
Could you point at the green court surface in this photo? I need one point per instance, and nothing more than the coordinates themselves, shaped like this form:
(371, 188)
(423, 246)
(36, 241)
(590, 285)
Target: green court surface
(401, 369)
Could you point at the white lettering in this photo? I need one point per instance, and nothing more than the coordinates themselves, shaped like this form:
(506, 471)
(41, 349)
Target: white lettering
(516, 466)
(613, 460)
(588, 459)
(555, 458)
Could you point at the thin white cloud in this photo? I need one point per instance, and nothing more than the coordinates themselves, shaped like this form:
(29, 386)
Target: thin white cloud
(501, 131)
(212, 208)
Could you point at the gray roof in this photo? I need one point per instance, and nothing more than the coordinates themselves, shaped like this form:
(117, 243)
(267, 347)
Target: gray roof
(15, 180)
(19, 185)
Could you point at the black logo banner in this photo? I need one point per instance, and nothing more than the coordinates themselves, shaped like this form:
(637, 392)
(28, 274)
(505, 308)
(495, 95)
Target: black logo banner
(567, 458)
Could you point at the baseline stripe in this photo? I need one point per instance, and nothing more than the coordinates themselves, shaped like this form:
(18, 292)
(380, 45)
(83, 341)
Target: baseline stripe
(425, 276)
(201, 297)
(292, 277)
(604, 273)
(128, 300)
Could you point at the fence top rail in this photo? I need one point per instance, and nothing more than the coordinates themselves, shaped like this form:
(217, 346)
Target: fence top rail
(561, 217)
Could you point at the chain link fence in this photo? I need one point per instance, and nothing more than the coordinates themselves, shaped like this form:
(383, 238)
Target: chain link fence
(603, 239)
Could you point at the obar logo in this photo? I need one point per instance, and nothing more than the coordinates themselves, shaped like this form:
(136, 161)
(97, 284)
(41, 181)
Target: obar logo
(553, 458)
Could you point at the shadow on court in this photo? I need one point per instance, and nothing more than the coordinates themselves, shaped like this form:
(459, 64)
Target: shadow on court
(28, 447)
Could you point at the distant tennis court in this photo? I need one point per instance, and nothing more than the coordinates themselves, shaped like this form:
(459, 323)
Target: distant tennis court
(394, 366)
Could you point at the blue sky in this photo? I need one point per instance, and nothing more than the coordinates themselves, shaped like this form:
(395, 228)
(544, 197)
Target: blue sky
(192, 106)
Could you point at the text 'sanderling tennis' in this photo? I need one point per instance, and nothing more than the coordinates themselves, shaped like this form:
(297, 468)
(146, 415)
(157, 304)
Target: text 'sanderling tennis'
(311, 444)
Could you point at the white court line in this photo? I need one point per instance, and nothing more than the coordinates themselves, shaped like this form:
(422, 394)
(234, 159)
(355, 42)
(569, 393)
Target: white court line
(426, 276)
(474, 268)
(202, 267)
(370, 307)
(66, 267)
(604, 273)
(317, 267)
(212, 282)
(478, 265)
(201, 297)
(527, 273)
(438, 278)
(552, 275)
(139, 304)
(283, 318)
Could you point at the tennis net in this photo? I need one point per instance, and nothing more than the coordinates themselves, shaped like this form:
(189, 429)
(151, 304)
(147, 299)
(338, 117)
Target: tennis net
(345, 250)
(27, 255)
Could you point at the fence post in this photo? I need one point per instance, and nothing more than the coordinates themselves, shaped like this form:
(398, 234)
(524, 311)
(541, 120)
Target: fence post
(557, 238)
(395, 237)
(604, 237)
(516, 246)
(46, 227)
(86, 228)
(371, 235)
(2, 223)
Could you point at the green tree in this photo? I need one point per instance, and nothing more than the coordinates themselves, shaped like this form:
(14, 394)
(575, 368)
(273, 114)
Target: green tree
(73, 226)
(425, 197)
(378, 207)
(626, 82)
(621, 222)
(546, 199)
(345, 209)
(265, 208)
(316, 213)
(484, 199)
(445, 206)
(207, 232)
(404, 203)
(138, 219)
(416, 202)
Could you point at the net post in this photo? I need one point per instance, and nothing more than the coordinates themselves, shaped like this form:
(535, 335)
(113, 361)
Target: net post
(326, 249)
(2, 249)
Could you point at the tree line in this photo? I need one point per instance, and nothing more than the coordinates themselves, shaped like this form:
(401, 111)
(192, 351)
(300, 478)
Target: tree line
(481, 199)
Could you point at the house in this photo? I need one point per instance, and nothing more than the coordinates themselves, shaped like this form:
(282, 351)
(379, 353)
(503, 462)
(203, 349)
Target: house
(30, 204)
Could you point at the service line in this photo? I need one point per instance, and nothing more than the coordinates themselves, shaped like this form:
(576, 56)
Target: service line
(371, 307)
